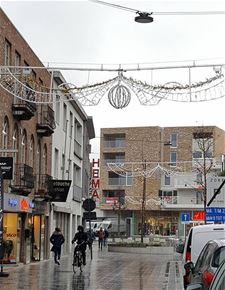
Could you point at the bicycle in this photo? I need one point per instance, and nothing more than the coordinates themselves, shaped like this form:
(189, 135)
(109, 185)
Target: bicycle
(77, 258)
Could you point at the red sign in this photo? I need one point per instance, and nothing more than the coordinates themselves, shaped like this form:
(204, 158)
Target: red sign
(199, 216)
(111, 200)
(24, 204)
(95, 179)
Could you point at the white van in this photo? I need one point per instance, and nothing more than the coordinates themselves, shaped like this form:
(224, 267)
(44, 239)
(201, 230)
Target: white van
(198, 236)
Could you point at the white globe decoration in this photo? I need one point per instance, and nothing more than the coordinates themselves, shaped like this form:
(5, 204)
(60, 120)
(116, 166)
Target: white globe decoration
(119, 96)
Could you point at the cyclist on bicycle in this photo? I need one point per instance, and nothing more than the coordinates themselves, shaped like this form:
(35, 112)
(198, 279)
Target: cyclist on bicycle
(81, 239)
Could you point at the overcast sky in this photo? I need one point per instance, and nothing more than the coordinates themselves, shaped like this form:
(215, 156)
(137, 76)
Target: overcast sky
(63, 33)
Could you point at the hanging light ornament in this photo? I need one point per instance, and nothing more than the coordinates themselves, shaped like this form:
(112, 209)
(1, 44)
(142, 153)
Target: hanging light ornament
(119, 96)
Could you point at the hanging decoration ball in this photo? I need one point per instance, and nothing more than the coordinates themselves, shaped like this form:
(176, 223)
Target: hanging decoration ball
(119, 96)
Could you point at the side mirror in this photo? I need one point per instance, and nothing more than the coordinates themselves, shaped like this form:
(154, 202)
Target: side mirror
(194, 287)
(189, 266)
(180, 248)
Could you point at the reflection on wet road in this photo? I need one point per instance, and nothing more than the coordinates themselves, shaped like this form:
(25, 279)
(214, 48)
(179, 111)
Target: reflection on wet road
(114, 271)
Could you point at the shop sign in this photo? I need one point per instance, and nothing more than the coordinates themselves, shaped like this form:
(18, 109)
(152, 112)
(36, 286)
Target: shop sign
(95, 179)
(199, 216)
(6, 164)
(17, 203)
(111, 200)
(58, 189)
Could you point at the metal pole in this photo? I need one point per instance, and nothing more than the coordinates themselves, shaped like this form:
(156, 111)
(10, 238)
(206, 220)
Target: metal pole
(119, 212)
(90, 233)
(2, 274)
(143, 205)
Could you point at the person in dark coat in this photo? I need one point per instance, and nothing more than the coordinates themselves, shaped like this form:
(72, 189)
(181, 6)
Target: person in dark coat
(81, 239)
(57, 239)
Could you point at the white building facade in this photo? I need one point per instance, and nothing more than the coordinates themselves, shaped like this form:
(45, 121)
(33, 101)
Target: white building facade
(70, 161)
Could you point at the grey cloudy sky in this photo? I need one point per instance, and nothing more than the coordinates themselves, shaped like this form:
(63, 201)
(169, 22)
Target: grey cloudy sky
(69, 32)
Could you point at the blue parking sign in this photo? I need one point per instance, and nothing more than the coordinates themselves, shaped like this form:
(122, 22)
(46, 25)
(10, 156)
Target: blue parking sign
(185, 217)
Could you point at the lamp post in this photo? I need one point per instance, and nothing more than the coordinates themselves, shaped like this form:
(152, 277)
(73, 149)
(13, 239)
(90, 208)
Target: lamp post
(119, 206)
(143, 204)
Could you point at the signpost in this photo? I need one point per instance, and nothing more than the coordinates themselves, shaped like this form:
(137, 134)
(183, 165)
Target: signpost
(215, 214)
(185, 219)
(2, 274)
(89, 205)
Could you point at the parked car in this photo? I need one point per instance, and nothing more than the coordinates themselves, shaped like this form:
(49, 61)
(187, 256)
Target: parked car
(198, 236)
(207, 263)
(218, 282)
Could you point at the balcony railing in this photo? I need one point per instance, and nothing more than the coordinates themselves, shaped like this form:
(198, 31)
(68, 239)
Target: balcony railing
(23, 181)
(176, 202)
(42, 185)
(23, 110)
(46, 121)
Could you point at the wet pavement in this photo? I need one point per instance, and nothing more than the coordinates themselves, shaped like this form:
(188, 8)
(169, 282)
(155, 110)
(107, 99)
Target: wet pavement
(107, 270)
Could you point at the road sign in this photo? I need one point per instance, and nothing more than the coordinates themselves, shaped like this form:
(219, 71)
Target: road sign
(215, 214)
(89, 204)
(185, 217)
(213, 183)
(89, 215)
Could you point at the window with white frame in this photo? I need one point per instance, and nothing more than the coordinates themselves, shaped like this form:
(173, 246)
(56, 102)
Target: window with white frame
(167, 180)
(173, 158)
(38, 157)
(31, 151)
(5, 134)
(15, 142)
(173, 139)
(24, 147)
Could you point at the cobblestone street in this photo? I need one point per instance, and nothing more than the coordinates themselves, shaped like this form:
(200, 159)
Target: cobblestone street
(107, 270)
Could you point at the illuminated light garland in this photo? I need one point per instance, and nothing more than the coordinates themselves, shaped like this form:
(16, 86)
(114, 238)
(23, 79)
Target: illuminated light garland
(156, 169)
(27, 89)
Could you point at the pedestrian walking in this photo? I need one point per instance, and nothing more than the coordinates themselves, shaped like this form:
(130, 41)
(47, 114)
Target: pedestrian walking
(101, 235)
(57, 239)
(106, 237)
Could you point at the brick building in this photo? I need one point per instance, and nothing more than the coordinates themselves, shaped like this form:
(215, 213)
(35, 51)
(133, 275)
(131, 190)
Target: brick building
(138, 164)
(26, 128)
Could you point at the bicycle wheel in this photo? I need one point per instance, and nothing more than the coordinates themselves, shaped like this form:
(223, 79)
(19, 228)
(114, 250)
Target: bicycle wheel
(80, 263)
(74, 263)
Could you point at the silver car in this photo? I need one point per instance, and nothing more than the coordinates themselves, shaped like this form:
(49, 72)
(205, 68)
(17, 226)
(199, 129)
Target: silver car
(218, 282)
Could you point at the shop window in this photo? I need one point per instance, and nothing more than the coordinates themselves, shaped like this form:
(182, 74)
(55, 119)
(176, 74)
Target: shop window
(10, 238)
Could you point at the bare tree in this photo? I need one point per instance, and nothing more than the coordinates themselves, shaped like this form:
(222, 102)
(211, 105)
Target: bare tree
(203, 154)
